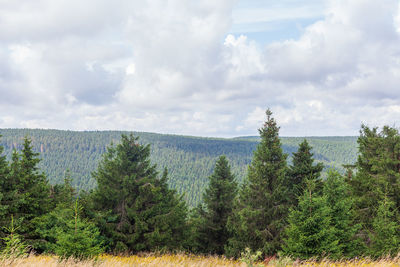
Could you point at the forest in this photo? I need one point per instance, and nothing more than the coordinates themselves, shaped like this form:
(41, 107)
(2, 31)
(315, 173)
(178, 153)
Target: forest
(189, 160)
(281, 207)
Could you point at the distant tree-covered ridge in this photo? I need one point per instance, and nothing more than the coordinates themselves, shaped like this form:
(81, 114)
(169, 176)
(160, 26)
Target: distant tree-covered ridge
(190, 160)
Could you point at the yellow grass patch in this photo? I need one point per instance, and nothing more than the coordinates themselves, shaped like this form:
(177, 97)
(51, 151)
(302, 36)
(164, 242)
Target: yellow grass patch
(182, 260)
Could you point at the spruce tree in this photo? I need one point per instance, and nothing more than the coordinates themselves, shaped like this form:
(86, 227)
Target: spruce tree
(4, 168)
(78, 238)
(27, 190)
(262, 206)
(378, 166)
(341, 205)
(4, 172)
(218, 205)
(385, 233)
(310, 232)
(136, 211)
(303, 168)
(63, 194)
(48, 226)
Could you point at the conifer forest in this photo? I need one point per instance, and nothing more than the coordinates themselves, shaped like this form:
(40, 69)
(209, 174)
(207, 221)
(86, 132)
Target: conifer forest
(82, 194)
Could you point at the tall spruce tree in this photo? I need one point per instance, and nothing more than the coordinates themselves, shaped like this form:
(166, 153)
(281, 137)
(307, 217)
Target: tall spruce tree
(262, 206)
(218, 201)
(32, 184)
(28, 191)
(378, 166)
(4, 172)
(303, 168)
(136, 209)
(338, 196)
(310, 232)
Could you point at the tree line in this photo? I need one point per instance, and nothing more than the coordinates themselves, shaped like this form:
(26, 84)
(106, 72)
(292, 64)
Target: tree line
(190, 160)
(279, 209)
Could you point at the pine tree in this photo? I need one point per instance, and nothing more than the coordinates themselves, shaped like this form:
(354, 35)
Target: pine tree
(385, 234)
(310, 232)
(338, 197)
(262, 206)
(303, 168)
(136, 209)
(218, 200)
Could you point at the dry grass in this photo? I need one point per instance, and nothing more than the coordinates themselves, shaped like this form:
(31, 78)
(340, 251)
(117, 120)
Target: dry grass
(182, 260)
(108, 260)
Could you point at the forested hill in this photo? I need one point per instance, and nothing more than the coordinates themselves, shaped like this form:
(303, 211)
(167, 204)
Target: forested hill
(190, 160)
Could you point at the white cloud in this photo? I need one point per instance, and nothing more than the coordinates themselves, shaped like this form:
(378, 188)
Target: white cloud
(171, 66)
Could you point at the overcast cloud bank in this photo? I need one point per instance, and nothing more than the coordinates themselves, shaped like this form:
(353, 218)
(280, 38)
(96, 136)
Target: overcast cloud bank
(174, 67)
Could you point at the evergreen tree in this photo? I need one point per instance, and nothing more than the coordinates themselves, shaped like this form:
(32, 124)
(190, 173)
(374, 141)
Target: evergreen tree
(378, 165)
(4, 173)
(218, 199)
(27, 191)
(337, 194)
(4, 168)
(63, 194)
(14, 247)
(385, 234)
(303, 168)
(47, 226)
(310, 232)
(78, 239)
(262, 207)
(136, 209)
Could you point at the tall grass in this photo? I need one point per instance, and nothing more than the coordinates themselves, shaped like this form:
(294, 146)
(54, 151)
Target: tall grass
(184, 260)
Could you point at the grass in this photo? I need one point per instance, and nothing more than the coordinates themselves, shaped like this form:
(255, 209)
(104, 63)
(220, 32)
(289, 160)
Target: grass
(183, 260)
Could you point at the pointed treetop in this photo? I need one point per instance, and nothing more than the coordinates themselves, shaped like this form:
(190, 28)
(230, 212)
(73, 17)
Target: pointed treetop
(269, 113)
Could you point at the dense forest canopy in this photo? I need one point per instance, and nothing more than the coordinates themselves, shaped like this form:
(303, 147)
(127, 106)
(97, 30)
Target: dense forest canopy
(190, 160)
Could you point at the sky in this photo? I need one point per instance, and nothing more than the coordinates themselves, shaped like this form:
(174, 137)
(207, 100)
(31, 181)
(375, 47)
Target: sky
(202, 68)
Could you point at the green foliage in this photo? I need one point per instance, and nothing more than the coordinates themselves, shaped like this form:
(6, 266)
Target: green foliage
(310, 232)
(134, 208)
(190, 160)
(251, 258)
(4, 195)
(337, 194)
(48, 225)
(14, 247)
(25, 191)
(63, 194)
(78, 239)
(262, 207)
(303, 168)
(385, 234)
(212, 232)
(378, 170)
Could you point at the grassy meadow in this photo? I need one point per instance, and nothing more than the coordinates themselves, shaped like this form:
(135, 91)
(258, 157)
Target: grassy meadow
(184, 260)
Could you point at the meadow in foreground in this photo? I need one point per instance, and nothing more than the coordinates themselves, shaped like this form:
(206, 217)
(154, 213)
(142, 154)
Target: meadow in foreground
(184, 260)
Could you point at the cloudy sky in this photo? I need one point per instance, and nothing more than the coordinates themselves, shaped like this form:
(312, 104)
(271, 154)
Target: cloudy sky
(204, 68)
